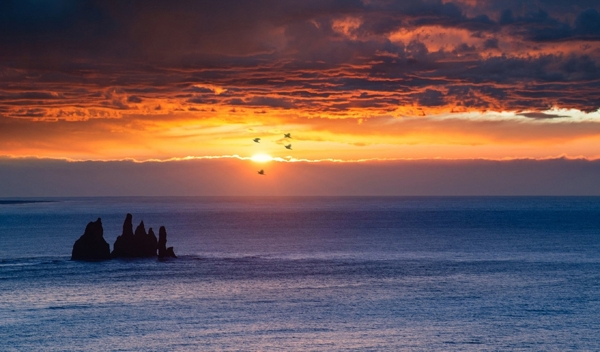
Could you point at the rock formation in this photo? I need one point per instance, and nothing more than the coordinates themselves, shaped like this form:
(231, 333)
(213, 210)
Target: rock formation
(138, 244)
(91, 245)
(128, 226)
(163, 251)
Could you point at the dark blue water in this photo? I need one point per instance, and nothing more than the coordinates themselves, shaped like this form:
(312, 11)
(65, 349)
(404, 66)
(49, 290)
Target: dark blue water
(414, 274)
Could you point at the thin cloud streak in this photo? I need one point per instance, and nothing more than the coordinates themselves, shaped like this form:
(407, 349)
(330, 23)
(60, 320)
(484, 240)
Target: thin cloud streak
(286, 159)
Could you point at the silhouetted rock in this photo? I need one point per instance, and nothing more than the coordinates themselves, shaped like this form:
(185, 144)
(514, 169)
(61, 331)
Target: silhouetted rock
(162, 242)
(140, 230)
(128, 226)
(139, 244)
(148, 243)
(171, 253)
(91, 245)
(135, 245)
(163, 251)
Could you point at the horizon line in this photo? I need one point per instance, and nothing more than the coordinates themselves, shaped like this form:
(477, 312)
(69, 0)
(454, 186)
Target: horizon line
(291, 159)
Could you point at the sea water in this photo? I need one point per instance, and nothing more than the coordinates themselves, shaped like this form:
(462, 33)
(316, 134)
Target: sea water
(310, 274)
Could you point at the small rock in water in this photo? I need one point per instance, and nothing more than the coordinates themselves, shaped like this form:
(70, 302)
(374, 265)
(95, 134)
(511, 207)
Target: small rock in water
(163, 251)
(91, 246)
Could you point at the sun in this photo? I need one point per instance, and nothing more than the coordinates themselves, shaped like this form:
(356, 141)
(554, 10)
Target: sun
(261, 158)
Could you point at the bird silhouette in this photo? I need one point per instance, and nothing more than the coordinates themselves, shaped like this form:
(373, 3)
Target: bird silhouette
(287, 135)
(289, 146)
(257, 140)
(261, 172)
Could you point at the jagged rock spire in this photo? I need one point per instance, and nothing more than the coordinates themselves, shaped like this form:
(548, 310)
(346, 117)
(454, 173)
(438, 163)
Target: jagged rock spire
(91, 245)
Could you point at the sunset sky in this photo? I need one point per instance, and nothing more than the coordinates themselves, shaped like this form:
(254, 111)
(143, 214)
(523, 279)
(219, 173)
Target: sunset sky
(374, 81)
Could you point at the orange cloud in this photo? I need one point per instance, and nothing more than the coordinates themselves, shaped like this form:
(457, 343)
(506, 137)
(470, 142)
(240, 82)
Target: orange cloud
(474, 135)
(353, 80)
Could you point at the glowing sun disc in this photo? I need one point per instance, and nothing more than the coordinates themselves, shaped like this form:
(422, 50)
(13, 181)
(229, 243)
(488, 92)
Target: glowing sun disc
(261, 158)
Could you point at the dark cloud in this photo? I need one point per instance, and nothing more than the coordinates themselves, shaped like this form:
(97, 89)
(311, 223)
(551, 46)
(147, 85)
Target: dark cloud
(541, 115)
(491, 43)
(134, 99)
(431, 98)
(588, 23)
(270, 102)
(316, 55)
(541, 26)
(202, 100)
(201, 89)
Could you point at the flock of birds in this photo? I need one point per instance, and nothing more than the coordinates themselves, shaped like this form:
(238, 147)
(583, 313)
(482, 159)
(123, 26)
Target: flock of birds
(288, 146)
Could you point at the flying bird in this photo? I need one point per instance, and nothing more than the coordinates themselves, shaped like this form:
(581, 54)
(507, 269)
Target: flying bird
(289, 146)
(257, 140)
(261, 172)
(287, 135)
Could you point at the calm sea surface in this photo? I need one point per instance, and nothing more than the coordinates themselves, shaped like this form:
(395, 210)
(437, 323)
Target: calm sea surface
(320, 274)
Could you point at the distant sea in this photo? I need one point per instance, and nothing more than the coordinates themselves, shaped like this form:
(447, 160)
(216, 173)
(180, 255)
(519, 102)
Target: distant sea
(298, 274)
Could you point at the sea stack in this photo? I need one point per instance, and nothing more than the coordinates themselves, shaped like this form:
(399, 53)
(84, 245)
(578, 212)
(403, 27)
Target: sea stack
(138, 244)
(163, 251)
(128, 226)
(91, 246)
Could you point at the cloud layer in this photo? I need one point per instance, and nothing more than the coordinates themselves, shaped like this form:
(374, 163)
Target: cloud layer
(191, 70)
(234, 177)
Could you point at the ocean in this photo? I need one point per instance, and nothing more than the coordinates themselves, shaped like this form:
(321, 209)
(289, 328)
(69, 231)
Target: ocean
(307, 274)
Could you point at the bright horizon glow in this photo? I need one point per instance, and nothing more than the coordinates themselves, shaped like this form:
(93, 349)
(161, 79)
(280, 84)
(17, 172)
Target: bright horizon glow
(261, 158)
(474, 135)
